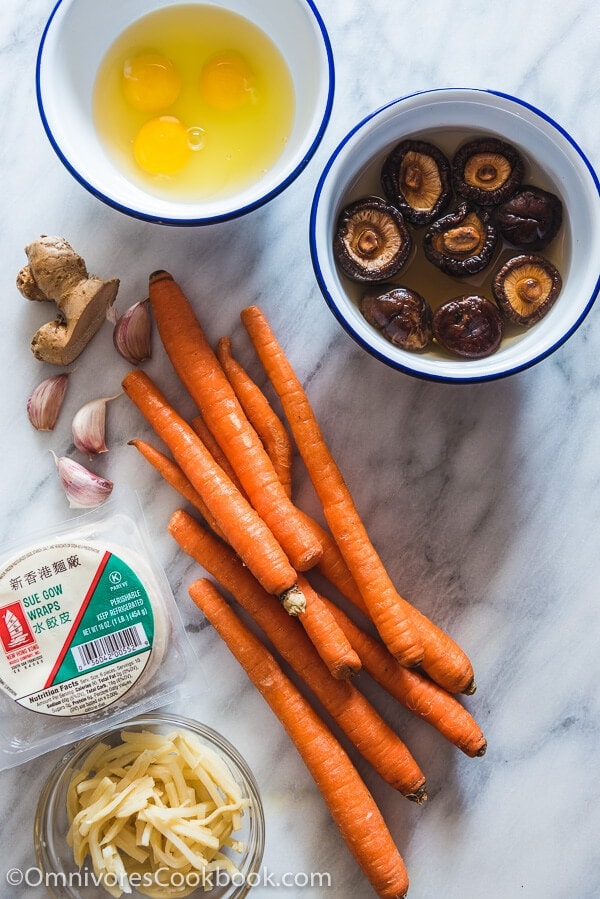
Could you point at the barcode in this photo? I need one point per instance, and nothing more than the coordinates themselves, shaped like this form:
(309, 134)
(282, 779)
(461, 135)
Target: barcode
(109, 647)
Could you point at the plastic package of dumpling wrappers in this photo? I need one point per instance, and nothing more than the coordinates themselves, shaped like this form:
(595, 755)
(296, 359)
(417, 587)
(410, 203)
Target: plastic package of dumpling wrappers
(90, 633)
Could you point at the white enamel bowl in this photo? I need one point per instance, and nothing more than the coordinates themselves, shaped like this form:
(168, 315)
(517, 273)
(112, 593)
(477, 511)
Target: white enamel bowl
(466, 112)
(75, 40)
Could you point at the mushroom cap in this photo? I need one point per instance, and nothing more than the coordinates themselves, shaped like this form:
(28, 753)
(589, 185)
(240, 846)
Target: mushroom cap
(415, 177)
(487, 170)
(401, 314)
(526, 288)
(371, 241)
(469, 326)
(531, 218)
(462, 242)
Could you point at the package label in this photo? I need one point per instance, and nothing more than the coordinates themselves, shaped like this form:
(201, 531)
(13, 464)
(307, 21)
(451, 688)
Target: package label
(76, 628)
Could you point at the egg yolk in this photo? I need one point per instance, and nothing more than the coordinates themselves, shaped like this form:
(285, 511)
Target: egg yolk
(227, 81)
(161, 146)
(150, 82)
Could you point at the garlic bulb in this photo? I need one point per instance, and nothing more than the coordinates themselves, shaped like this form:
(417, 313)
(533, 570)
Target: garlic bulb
(44, 402)
(89, 426)
(132, 333)
(83, 488)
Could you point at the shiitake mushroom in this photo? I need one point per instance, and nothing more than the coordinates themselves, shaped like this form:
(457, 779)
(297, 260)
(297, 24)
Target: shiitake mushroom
(469, 326)
(526, 288)
(487, 171)
(461, 243)
(402, 315)
(415, 177)
(531, 218)
(371, 241)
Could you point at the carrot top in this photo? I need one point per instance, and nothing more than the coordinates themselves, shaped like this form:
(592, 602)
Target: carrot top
(200, 371)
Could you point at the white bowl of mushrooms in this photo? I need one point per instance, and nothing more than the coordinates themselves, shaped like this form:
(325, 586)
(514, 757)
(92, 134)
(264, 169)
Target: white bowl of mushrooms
(455, 235)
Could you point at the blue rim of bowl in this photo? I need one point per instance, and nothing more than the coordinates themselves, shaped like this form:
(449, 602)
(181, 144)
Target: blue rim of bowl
(428, 376)
(208, 220)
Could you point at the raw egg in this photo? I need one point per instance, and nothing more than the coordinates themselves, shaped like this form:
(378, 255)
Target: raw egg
(150, 82)
(227, 81)
(161, 146)
(193, 102)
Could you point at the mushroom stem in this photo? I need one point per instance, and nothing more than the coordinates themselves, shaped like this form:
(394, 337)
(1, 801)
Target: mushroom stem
(530, 290)
(367, 242)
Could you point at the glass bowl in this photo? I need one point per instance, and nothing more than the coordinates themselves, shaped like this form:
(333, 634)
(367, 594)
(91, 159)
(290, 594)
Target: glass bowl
(55, 860)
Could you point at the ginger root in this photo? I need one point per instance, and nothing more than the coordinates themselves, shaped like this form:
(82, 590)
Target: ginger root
(56, 273)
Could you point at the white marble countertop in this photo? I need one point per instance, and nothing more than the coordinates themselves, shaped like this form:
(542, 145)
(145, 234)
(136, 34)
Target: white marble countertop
(483, 500)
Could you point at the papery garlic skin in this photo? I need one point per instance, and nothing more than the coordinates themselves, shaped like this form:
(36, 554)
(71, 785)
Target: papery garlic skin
(89, 426)
(45, 401)
(132, 334)
(83, 488)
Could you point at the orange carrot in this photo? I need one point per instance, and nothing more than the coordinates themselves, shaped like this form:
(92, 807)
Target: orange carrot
(243, 528)
(318, 622)
(260, 413)
(371, 735)
(340, 511)
(415, 691)
(333, 566)
(443, 659)
(315, 617)
(199, 369)
(351, 804)
(207, 438)
(325, 633)
(174, 476)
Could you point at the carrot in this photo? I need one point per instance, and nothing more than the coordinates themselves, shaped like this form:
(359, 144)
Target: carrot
(199, 369)
(351, 804)
(173, 475)
(243, 528)
(333, 566)
(207, 438)
(415, 691)
(315, 617)
(371, 735)
(260, 413)
(325, 633)
(443, 659)
(339, 509)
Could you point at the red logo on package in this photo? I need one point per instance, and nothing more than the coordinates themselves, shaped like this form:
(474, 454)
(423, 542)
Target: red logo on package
(14, 628)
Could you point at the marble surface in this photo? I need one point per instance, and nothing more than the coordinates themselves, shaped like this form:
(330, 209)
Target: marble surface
(483, 500)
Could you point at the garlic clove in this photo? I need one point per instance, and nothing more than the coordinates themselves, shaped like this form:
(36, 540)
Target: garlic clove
(89, 426)
(83, 488)
(44, 402)
(132, 334)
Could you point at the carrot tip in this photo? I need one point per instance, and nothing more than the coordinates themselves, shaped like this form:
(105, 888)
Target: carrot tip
(160, 275)
(419, 796)
(345, 671)
(481, 751)
(293, 600)
(470, 688)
